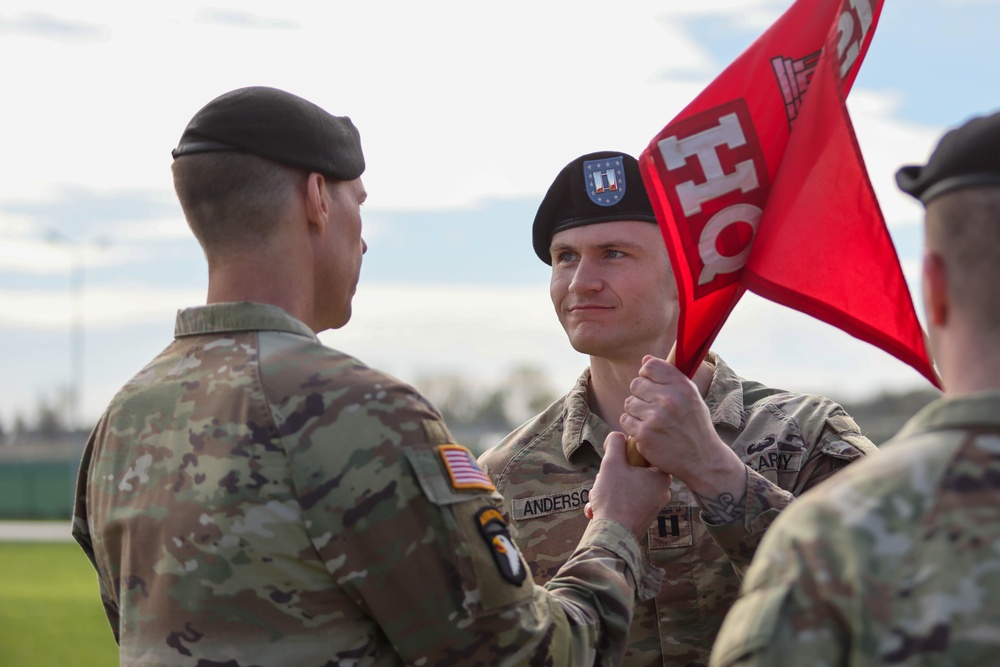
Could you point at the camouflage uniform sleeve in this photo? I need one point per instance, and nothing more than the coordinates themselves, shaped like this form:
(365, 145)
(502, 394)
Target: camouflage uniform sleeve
(880, 565)
(786, 615)
(833, 440)
(840, 444)
(81, 533)
(606, 569)
(406, 544)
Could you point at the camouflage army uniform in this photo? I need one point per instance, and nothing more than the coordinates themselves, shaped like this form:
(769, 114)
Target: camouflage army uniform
(894, 562)
(789, 442)
(252, 497)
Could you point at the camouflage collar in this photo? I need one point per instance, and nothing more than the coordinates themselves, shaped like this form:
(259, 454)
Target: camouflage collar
(725, 394)
(245, 316)
(580, 425)
(965, 411)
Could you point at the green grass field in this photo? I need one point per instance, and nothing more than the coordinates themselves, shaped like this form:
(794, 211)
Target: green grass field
(50, 608)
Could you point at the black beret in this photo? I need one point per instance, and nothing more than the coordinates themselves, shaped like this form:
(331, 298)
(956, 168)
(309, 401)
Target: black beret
(966, 157)
(597, 187)
(279, 126)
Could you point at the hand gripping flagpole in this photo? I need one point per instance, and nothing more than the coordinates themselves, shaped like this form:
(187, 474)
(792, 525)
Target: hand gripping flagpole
(631, 445)
(745, 204)
(632, 454)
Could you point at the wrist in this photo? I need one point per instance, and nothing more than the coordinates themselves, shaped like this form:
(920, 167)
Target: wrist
(721, 489)
(718, 471)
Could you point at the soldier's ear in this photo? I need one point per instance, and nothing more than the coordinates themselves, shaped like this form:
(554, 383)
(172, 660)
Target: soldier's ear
(935, 289)
(317, 201)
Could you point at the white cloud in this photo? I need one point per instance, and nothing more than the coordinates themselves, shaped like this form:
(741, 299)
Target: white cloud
(755, 15)
(888, 143)
(452, 101)
(481, 332)
(102, 307)
(33, 256)
(456, 102)
(727, 8)
(37, 255)
(235, 18)
(785, 348)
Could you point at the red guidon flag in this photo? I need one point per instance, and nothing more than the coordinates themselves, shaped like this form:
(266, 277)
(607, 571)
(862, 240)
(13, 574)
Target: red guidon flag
(759, 184)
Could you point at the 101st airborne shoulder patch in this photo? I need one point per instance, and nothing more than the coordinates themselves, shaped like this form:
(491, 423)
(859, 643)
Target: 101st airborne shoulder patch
(463, 469)
(493, 528)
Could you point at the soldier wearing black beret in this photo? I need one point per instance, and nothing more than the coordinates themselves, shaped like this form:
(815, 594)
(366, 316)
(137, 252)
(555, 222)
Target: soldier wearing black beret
(966, 157)
(254, 497)
(870, 568)
(960, 190)
(279, 126)
(598, 187)
(738, 450)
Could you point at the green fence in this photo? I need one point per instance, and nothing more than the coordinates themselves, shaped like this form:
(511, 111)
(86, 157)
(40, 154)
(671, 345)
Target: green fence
(37, 489)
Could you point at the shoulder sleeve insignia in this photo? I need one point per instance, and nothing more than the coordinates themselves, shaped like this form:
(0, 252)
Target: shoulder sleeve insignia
(463, 470)
(508, 559)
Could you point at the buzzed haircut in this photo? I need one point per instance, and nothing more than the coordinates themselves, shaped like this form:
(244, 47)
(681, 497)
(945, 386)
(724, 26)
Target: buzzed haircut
(232, 199)
(964, 228)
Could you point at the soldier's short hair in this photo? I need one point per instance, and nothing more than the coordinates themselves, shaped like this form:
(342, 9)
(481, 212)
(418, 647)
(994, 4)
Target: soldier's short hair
(960, 186)
(233, 200)
(241, 151)
(963, 227)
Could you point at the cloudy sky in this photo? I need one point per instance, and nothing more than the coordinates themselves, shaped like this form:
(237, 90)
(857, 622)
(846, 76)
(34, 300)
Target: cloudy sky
(467, 111)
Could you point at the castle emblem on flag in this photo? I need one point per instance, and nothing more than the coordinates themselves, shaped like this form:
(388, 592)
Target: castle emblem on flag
(605, 180)
(793, 80)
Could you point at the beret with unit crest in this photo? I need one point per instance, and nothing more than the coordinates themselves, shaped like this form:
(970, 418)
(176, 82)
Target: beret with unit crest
(597, 187)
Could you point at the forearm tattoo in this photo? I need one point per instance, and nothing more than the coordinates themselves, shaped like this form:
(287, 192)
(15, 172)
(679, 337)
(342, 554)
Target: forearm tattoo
(722, 509)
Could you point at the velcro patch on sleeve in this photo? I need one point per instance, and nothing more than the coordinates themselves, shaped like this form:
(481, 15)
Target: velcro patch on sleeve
(494, 530)
(463, 469)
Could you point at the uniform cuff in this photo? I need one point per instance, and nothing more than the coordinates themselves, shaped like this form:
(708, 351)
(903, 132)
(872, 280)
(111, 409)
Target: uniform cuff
(619, 540)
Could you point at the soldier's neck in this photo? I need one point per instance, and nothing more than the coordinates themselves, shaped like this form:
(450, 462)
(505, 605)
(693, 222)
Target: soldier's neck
(262, 282)
(609, 387)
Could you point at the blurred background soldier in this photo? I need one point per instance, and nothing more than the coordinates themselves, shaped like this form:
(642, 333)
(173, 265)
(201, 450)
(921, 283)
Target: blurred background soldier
(252, 497)
(738, 451)
(896, 560)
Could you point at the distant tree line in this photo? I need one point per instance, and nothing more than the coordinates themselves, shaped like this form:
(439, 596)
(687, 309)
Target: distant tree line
(466, 405)
(49, 421)
(882, 415)
(476, 407)
(522, 393)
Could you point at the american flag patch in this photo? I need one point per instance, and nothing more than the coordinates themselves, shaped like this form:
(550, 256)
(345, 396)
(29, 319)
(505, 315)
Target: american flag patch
(465, 473)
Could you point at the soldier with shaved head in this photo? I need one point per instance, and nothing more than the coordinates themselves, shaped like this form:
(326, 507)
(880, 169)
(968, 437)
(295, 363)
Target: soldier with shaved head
(896, 561)
(253, 497)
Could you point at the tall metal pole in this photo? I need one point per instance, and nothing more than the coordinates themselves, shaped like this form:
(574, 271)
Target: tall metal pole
(77, 251)
(76, 338)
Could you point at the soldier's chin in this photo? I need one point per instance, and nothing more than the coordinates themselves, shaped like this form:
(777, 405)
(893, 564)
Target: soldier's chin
(590, 347)
(340, 319)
